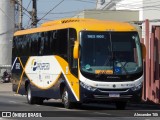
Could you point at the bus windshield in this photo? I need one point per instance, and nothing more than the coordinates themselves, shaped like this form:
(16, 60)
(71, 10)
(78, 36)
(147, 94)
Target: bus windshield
(113, 53)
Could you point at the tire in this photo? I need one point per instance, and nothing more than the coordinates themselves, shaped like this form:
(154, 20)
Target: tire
(65, 99)
(121, 105)
(30, 98)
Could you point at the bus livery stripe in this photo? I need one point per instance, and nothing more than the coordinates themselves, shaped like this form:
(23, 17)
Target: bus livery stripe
(71, 80)
(19, 84)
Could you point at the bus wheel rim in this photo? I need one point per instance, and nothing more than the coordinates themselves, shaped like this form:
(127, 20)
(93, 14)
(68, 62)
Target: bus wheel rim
(65, 98)
(29, 94)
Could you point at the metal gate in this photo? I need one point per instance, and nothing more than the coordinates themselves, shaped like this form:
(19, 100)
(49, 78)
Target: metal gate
(151, 89)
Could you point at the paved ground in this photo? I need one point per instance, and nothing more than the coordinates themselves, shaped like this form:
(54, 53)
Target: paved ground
(10, 101)
(5, 87)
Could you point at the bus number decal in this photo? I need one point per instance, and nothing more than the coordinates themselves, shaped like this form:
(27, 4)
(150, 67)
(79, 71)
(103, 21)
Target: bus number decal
(17, 66)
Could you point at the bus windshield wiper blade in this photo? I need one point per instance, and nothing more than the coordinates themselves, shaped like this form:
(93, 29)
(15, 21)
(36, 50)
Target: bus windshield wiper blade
(123, 66)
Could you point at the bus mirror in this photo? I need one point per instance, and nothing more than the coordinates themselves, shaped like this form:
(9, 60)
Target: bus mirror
(75, 50)
(143, 50)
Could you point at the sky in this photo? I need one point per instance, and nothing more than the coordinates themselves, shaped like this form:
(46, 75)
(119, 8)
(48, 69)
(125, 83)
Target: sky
(65, 9)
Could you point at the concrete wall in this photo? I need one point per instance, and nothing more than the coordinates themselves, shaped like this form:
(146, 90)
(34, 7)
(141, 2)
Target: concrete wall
(121, 15)
(6, 33)
(110, 15)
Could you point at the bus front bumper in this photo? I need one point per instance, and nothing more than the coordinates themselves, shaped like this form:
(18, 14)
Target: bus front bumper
(111, 95)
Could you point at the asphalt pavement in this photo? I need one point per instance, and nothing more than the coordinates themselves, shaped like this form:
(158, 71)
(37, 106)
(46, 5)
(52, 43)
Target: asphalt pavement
(5, 87)
(9, 101)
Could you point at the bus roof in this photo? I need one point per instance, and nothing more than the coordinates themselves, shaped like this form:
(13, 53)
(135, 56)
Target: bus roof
(79, 24)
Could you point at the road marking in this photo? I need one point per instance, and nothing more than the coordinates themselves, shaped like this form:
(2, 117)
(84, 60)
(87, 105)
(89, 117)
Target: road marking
(12, 101)
(17, 94)
(61, 108)
(2, 119)
(102, 113)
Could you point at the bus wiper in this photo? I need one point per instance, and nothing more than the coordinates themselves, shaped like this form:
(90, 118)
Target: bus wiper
(123, 66)
(115, 57)
(109, 57)
(106, 62)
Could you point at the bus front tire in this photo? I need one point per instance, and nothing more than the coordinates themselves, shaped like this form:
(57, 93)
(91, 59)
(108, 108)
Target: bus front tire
(65, 100)
(121, 105)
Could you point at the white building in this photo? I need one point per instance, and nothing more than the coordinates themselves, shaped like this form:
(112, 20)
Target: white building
(6, 33)
(148, 9)
(112, 15)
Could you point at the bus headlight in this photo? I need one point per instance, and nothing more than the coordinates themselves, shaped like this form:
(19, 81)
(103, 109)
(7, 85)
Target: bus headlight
(85, 86)
(135, 88)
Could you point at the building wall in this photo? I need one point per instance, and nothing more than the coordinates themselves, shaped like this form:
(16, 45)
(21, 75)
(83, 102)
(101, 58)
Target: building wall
(6, 32)
(131, 5)
(105, 4)
(148, 9)
(110, 15)
(114, 15)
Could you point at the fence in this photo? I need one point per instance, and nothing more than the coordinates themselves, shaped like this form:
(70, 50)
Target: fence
(151, 89)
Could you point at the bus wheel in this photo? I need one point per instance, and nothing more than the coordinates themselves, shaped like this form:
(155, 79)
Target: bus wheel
(65, 99)
(30, 98)
(121, 105)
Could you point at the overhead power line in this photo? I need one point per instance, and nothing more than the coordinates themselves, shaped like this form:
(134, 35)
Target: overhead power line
(28, 5)
(23, 9)
(51, 10)
(85, 1)
(66, 12)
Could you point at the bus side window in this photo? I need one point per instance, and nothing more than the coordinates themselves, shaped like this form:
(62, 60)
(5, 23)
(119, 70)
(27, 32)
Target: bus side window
(28, 45)
(46, 44)
(14, 47)
(24, 46)
(40, 44)
(19, 45)
(33, 52)
(61, 43)
(53, 37)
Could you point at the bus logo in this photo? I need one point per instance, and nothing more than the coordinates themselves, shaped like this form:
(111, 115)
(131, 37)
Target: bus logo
(34, 65)
(114, 86)
(37, 65)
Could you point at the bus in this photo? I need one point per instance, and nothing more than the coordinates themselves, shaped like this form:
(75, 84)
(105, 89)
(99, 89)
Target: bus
(78, 61)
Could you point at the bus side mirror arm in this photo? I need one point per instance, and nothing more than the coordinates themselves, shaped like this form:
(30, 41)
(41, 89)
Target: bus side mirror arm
(143, 47)
(76, 50)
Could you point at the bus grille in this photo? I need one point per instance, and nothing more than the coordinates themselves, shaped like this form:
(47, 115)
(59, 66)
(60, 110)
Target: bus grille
(112, 90)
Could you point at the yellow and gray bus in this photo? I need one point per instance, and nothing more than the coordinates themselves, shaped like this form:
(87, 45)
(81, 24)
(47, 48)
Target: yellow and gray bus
(78, 61)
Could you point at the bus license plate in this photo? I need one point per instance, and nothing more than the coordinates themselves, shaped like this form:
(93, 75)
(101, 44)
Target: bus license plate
(114, 95)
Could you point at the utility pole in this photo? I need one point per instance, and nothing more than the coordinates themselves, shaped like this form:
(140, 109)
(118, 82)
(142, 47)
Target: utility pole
(20, 15)
(34, 13)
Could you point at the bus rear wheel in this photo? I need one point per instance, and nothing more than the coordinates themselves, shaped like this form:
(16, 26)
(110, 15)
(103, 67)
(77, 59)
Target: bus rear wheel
(65, 100)
(30, 98)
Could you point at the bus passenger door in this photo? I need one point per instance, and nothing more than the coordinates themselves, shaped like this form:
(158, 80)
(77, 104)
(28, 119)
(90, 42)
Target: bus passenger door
(73, 64)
